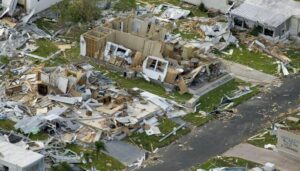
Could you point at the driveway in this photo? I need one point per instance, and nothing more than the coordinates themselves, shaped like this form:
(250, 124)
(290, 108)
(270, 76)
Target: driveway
(260, 155)
(248, 74)
(217, 136)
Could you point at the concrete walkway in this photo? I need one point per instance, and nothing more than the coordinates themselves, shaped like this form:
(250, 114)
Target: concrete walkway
(248, 74)
(260, 155)
(127, 153)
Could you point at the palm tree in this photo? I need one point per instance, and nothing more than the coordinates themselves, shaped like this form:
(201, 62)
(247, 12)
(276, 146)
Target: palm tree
(99, 146)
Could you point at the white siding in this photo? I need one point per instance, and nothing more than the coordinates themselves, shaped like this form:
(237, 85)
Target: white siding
(221, 5)
(39, 5)
(294, 26)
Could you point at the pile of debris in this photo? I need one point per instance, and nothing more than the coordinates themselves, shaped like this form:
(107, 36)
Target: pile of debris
(78, 104)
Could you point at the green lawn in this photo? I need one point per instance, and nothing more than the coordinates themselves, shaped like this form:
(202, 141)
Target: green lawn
(144, 85)
(187, 35)
(157, 2)
(226, 162)
(291, 124)
(196, 12)
(69, 56)
(261, 141)
(256, 60)
(41, 136)
(101, 162)
(48, 26)
(197, 119)
(147, 142)
(7, 125)
(125, 5)
(4, 59)
(212, 99)
(294, 55)
(46, 48)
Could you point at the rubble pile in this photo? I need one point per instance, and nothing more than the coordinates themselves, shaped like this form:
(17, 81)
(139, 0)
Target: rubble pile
(78, 104)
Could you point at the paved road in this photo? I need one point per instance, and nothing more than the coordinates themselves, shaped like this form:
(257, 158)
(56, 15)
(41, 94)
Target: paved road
(248, 74)
(260, 155)
(217, 137)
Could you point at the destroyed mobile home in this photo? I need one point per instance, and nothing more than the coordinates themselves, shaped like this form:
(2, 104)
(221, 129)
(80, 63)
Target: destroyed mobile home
(76, 104)
(136, 46)
(79, 104)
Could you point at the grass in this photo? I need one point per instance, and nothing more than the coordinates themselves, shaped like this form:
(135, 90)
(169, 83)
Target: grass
(4, 59)
(187, 35)
(125, 5)
(226, 162)
(47, 26)
(152, 142)
(294, 55)
(46, 48)
(61, 167)
(144, 85)
(157, 2)
(255, 60)
(100, 162)
(197, 119)
(196, 12)
(265, 139)
(7, 125)
(66, 57)
(212, 99)
(41, 136)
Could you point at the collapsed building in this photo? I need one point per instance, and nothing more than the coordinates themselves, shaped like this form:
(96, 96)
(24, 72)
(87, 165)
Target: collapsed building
(140, 45)
(15, 158)
(275, 19)
(76, 104)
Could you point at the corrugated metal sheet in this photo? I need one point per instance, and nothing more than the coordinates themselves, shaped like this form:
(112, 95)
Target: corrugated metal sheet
(269, 12)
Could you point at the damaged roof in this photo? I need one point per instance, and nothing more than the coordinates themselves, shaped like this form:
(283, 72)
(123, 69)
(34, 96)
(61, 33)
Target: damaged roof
(17, 155)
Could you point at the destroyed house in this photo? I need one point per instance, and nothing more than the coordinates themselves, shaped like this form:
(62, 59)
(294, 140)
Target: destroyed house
(276, 19)
(15, 158)
(136, 44)
(95, 42)
(142, 26)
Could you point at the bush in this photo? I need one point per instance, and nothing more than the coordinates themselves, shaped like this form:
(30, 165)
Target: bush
(77, 10)
(61, 167)
(202, 7)
(255, 31)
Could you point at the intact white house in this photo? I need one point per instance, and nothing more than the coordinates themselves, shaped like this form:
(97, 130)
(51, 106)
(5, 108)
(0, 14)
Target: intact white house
(275, 19)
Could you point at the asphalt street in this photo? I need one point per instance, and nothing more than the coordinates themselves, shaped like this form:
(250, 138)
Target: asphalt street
(218, 136)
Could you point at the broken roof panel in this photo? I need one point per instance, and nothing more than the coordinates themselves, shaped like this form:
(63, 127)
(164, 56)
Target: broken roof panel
(18, 156)
(175, 13)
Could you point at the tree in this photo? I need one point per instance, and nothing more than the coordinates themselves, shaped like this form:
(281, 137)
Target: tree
(77, 10)
(99, 146)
